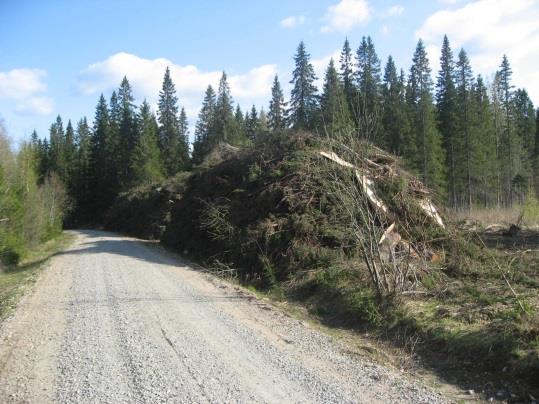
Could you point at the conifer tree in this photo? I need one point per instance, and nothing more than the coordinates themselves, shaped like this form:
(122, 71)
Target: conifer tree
(204, 131)
(69, 158)
(239, 120)
(56, 146)
(102, 178)
(463, 146)
(251, 124)
(524, 115)
(224, 123)
(82, 168)
(262, 124)
(303, 98)
(173, 146)
(336, 119)
(429, 157)
(446, 116)
(369, 85)
(536, 153)
(395, 128)
(347, 78)
(508, 142)
(146, 161)
(127, 131)
(277, 116)
(484, 164)
(183, 144)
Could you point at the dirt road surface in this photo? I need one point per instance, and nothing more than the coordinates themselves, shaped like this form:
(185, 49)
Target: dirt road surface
(114, 320)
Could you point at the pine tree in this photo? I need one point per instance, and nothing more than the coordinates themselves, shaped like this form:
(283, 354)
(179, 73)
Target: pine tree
(446, 116)
(146, 161)
(336, 118)
(303, 98)
(369, 85)
(347, 78)
(395, 128)
(204, 131)
(536, 153)
(429, 158)
(277, 116)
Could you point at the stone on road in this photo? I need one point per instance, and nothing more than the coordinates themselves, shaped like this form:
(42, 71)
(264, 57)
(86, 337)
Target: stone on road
(114, 320)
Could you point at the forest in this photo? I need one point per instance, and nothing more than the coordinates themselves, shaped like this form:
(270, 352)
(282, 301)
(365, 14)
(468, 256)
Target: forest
(474, 142)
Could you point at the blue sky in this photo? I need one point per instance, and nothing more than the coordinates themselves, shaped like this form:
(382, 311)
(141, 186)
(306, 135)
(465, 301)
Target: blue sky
(56, 57)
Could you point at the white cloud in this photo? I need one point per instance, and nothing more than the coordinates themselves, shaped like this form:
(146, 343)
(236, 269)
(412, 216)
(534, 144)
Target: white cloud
(28, 88)
(146, 76)
(395, 10)
(487, 29)
(292, 21)
(36, 106)
(18, 84)
(385, 30)
(345, 15)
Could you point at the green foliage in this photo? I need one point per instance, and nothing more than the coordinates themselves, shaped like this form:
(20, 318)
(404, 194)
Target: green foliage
(303, 98)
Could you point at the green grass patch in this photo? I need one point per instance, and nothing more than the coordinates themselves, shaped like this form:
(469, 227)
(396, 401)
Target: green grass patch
(15, 279)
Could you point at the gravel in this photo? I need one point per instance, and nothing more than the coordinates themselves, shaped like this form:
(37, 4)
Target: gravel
(113, 320)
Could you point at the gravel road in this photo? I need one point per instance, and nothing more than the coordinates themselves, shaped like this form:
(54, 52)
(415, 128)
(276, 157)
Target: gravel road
(115, 320)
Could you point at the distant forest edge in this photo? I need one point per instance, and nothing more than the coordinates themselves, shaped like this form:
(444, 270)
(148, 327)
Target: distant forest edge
(475, 143)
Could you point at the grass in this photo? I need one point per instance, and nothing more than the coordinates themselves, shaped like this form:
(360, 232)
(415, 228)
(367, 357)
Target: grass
(15, 280)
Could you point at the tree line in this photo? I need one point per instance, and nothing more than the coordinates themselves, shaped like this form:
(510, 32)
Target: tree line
(31, 210)
(474, 142)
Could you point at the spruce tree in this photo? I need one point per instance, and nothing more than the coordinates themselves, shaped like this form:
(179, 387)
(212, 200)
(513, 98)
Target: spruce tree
(102, 178)
(146, 161)
(204, 131)
(303, 98)
(262, 124)
(429, 157)
(239, 120)
(508, 142)
(347, 78)
(463, 145)
(277, 116)
(56, 146)
(224, 124)
(395, 127)
(251, 124)
(69, 158)
(369, 85)
(446, 116)
(183, 144)
(524, 115)
(173, 146)
(536, 153)
(127, 131)
(336, 119)
(82, 168)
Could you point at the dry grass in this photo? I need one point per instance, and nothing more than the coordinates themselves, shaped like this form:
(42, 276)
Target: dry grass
(504, 216)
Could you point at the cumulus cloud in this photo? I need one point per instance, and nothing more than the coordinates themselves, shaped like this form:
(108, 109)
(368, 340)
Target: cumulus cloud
(292, 21)
(18, 84)
(395, 10)
(146, 76)
(27, 87)
(487, 29)
(345, 15)
(35, 106)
